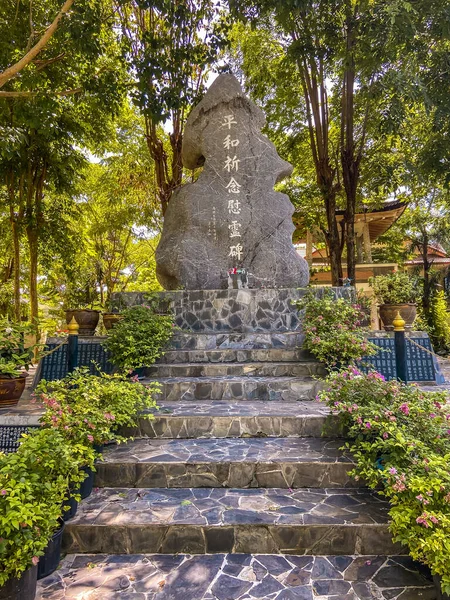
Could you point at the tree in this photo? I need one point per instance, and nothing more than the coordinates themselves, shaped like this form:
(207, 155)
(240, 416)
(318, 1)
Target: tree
(60, 103)
(357, 63)
(169, 48)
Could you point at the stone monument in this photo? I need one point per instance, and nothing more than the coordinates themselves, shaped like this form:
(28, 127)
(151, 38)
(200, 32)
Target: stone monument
(230, 220)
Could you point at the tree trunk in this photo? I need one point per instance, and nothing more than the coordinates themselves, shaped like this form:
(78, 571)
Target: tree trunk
(332, 238)
(33, 248)
(350, 159)
(426, 298)
(16, 246)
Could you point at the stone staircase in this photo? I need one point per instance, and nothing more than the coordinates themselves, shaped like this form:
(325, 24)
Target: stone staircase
(232, 493)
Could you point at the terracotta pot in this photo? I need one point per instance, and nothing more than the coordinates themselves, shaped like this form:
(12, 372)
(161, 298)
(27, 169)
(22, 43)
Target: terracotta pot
(86, 318)
(23, 588)
(110, 319)
(388, 312)
(11, 389)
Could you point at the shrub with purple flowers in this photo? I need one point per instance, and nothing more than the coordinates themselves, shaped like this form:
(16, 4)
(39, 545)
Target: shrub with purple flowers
(400, 441)
(333, 330)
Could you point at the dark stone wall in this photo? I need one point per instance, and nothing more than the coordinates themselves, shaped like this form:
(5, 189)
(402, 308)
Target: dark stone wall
(251, 310)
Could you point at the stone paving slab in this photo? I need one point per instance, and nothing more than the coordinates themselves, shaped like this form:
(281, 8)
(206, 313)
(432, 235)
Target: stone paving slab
(230, 462)
(237, 577)
(242, 341)
(197, 521)
(287, 389)
(237, 369)
(224, 419)
(239, 355)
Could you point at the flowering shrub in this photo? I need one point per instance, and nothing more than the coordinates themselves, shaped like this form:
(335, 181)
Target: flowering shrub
(333, 331)
(33, 484)
(90, 409)
(400, 440)
(138, 338)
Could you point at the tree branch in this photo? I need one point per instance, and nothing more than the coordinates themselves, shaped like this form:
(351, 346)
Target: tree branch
(32, 94)
(34, 51)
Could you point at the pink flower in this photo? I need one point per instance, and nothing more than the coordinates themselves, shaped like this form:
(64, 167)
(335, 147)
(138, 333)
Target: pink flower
(422, 521)
(393, 471)
(35, 560)
(405, 409)
(368, 425)
(3, 492)
(385, 435)
(90, 438)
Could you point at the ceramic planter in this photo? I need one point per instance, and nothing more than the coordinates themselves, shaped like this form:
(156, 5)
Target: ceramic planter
(110, 319)
(11, 389)
(388, 312)
(86, 318)
(23, 588)
(49, 561)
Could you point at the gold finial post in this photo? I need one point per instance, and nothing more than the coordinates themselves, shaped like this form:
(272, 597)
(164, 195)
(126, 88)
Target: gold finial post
(73, 327)
(398, 322)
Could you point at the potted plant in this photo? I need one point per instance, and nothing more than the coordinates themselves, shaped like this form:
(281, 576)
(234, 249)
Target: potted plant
(80, 299)
(138, 338)
(30, 506)
(396, 292)
(53, 466)
(407, 428)
(14, 360)
(333, 330)
(87, 319)
(91, 409)
(112, 315)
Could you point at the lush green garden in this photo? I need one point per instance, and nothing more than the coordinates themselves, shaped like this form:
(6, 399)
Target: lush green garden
(94, 97)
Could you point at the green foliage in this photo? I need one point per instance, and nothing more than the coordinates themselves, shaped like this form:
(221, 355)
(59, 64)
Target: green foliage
(333, 329)
(33, 484)
(395, 288)
(90, 409)
(138, 338)
(400, 441)
(14, 355)
(438, 325)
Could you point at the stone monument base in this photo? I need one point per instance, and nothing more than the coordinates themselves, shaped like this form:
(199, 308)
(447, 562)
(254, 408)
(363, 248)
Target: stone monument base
(234, 311)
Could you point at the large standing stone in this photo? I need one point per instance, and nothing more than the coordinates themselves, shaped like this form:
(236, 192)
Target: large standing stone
(231, 216)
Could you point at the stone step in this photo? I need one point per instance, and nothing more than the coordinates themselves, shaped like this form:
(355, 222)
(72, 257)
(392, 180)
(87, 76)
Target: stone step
(236, 355)
(223, 419)
(233, 463)
(245, 369)
(237, 576)
(199, 521)
(287, 389)
(185, 340)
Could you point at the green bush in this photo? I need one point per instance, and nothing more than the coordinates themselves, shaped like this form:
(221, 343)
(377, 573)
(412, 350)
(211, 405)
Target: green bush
(400, 440)
(90, 409)
(333, 329)
(138, 338)
(438, 323)
(34, 482)
(395, 288)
